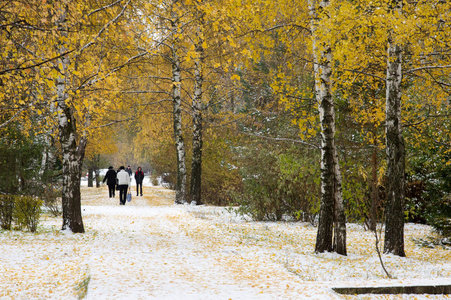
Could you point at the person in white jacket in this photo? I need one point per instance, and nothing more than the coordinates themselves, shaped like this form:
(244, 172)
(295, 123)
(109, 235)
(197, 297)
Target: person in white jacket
(123, 181)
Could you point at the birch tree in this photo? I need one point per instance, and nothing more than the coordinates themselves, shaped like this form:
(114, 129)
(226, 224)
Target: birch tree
(72, 66)
(400, 48)
(67, 127)
(394, 211)
(180, 188)
(331, 234)
(196, 164)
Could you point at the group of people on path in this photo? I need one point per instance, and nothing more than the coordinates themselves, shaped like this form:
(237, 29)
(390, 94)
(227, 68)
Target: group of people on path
(121, 181)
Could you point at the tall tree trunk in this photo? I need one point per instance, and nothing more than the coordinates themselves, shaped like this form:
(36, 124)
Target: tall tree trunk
(44, 159)
(331, 208)
(96, 169)
(90, 177)
(374, 193)
(97, 177)
(394, 209)
(340, 216)
(71, 158)
(196, 164)
(180, 196)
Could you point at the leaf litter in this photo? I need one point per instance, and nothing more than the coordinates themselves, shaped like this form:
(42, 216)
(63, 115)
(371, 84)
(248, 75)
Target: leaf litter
(153, 249)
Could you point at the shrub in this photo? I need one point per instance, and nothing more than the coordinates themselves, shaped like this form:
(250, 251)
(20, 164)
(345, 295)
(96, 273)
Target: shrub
(260, 202)
(51, 197)
(26, 212)
(154, 179)
(6, 211)
(440, 218)
(279, 185)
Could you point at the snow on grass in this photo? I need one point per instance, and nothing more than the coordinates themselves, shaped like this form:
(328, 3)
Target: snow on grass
(153, 249)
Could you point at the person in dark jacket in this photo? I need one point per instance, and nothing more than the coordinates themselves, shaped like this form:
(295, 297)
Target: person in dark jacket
(129, 171)
(139, 176)
(110, 178)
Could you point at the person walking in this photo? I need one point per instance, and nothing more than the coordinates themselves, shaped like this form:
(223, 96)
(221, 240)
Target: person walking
(123, 180)
(110, 178)
(129, 171)
(139, 176)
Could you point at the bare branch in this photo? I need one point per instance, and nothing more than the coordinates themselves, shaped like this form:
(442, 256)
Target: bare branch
(35, 65)
(13, 117)
(148, 77)
(421, 121)
(114, 70)
(275, 28)
(364, 73)
(380, 256)
(427, 68)
(104, 7)
(282, 140)
(104, 28)
(114, 122)
(145, 92)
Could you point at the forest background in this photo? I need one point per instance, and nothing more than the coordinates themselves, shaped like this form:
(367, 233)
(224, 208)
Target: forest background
(228, 101)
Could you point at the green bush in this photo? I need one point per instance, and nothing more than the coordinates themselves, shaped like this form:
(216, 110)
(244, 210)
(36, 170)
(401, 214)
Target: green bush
(440, 218)
(26, 212)
(51, 196)
(279, 185)
(260, 202)
(6, 211)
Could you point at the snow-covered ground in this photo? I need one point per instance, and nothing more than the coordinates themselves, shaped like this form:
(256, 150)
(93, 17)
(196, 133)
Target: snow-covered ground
(153, 249)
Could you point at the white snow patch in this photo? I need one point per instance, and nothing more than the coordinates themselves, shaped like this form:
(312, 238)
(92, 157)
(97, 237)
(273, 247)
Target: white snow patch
(150, 250)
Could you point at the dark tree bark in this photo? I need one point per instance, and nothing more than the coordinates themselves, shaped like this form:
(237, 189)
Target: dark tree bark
(90, 177)
(97, 177)
(394, 209)
(71, 198)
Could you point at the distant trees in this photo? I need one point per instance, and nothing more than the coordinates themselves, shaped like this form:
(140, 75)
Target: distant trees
(69, 71)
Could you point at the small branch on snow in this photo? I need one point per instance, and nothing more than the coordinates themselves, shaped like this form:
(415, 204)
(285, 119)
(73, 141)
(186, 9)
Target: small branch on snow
(379, 253)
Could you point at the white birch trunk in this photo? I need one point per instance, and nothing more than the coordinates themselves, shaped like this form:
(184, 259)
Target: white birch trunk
(340, 216)
(44, 159)
(196, 165)
(72, 219)
(180, 196)
(331, 209)
(374, 192)
(394, 210)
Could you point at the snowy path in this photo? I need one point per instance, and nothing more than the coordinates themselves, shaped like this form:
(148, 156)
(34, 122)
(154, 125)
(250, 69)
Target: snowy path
(143, 251)
(148, 256)
(152, 249)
